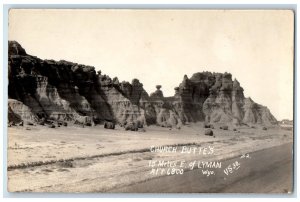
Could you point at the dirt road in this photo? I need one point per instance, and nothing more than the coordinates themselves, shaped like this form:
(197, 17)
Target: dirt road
(73, 159)
(264, 171)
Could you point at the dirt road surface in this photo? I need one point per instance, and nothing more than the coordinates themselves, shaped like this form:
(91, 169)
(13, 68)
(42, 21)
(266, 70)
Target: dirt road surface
(265, 171)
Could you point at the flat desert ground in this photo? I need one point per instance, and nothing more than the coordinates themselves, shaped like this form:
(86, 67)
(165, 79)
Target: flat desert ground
(94, 159)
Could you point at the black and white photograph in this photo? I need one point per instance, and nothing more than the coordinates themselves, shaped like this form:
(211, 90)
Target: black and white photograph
(150, 101)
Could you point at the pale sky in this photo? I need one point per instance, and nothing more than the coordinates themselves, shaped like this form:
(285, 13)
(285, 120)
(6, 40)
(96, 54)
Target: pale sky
(160, 46)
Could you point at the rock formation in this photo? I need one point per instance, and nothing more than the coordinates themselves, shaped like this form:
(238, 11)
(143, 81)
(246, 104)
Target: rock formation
(215, 98)
(70, 92)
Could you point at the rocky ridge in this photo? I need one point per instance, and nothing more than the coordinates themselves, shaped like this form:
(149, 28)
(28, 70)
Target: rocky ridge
(70, 92)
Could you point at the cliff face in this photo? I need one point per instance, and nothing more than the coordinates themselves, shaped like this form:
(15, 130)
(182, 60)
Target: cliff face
(216, 98)
(65, 91)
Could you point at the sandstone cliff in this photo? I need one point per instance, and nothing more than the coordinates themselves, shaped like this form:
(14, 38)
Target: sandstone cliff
(65, 91)
(216, 98)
